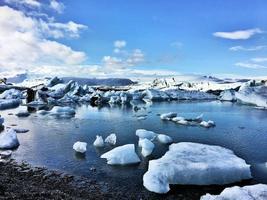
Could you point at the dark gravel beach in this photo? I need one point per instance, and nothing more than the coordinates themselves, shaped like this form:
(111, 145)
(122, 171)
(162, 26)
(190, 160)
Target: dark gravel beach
(22, 181)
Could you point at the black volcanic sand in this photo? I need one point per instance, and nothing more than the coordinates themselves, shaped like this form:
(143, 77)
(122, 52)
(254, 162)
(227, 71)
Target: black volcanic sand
(21, 181)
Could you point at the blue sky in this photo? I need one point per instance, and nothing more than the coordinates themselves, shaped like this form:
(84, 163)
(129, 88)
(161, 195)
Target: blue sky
(209, 36)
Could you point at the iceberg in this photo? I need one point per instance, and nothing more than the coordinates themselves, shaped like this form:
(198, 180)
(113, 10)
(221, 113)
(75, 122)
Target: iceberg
(5, 154)
(80, 147)
(228, 95)
(23, 114)
(164, 139)
(251, 192)
(195, 164)
(147, 147)
(168, 116)
(11, 94)
(99, 142)
(142, 134)
(122, 155)
(8, 139)
(111, 139)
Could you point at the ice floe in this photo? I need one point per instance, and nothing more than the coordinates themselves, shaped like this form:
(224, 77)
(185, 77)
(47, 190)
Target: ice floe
(147, 147)
(111, 139)
(194, 164)
(164, 139)
(142, 134)
(99, 142)
(80, 147)
(8, 139)
(252, 192)
(122, 155)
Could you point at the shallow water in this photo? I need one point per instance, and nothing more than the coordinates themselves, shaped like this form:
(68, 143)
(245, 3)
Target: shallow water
(242, 129)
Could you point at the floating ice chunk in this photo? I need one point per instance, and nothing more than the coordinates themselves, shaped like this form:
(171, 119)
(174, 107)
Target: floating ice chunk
(142, 134)
(164, 139)
(251, 192)
(57, 110)
(80, 147)
(8, 139)
(168, 116)
(122, 155)
(141, 118)
(207, 124)
(195, 164)
(9, 103)
(111, 139)
(99, 142)
(147, 147)
(5, 154)
(23, 114)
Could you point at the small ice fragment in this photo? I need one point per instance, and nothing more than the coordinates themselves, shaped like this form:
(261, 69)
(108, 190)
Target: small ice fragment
(164, 139)
(147, 147)
(99, 142)
(111, 139)
(80, 147)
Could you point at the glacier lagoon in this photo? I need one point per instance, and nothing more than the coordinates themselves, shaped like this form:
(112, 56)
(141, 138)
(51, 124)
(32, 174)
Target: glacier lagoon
(49, 140)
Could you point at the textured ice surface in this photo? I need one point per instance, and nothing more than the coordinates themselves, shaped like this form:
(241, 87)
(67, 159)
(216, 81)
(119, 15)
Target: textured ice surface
(197, 164)
(147, 147)
(111, 139)
(99, 142)
(142, 134)
(80, 147)
(164, 139)
(122, 155)
(8, 139)
(252, 192)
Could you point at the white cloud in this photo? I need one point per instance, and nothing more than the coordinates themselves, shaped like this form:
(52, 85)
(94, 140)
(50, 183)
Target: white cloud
(241, 48)
(250, 65)
(29, 3)
(120, 44)
(57, 6)
(259, 59)
(238, 35)
(23, 43)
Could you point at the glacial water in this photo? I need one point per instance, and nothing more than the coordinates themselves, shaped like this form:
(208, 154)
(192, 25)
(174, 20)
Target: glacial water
(242, 129)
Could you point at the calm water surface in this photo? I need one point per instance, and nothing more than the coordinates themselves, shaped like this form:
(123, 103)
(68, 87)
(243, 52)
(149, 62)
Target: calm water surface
(242, 129)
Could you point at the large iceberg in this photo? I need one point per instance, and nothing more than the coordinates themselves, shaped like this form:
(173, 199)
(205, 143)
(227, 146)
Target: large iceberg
(195, 164)
(252, 192)
(8, 139)
(122, 155)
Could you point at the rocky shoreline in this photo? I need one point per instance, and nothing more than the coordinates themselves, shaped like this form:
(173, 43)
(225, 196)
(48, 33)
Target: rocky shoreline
(22, 181)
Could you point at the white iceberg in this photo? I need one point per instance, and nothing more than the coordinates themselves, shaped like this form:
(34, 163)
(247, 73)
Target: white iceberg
(122, 155)
(195, 164)
(207, 124)
(80, 147)
(164, 139)
(168, 116)
(111, 139)
(147, 147)
(8, 139)
(142, 134)
(176, 119)
(99, 142)
(252, 192)
(183, 122)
